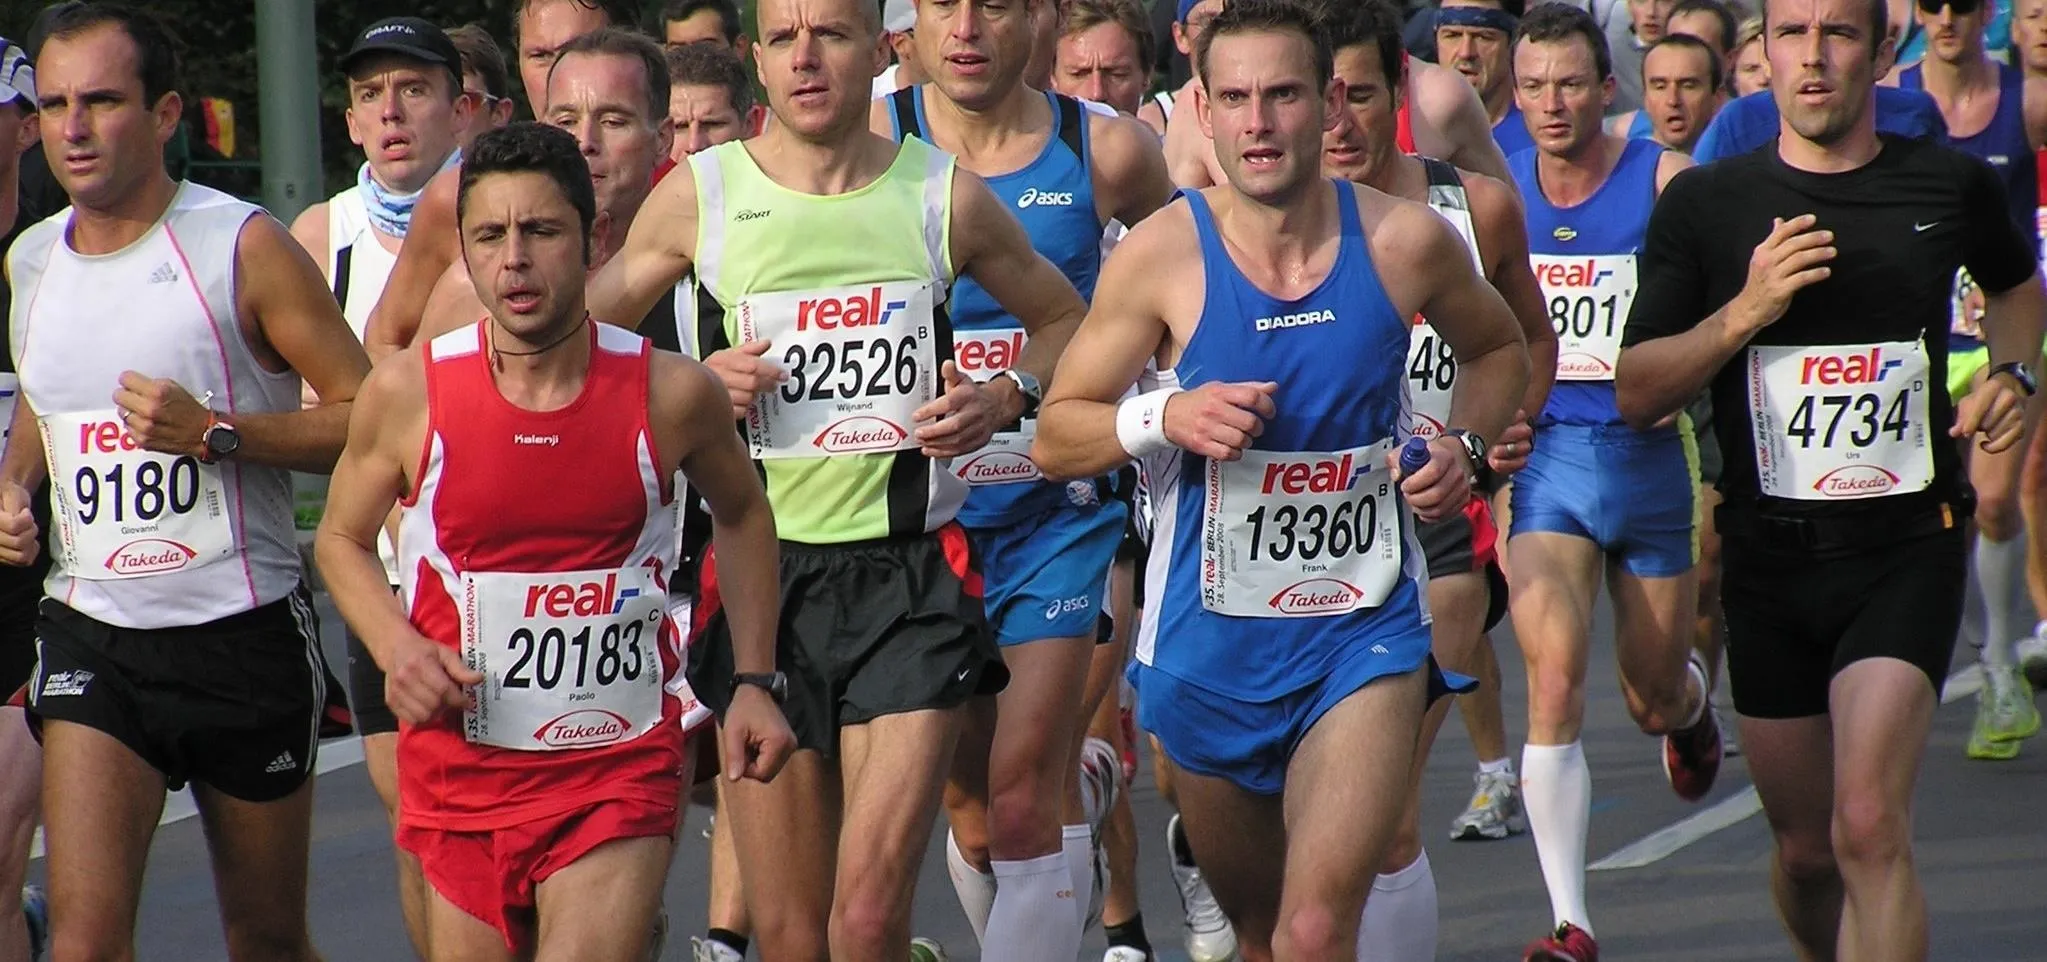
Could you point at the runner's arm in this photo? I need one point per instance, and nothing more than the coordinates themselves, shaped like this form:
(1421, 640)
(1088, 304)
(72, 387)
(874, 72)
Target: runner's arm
(23, 461)
(1446, 101)
(1482, 331)
(1077, 424)
(657, 253)
(1503, 238)
(432, 242)
(1130, 164)
(282, 291)
(385, 435)
(991, 247)
(454, 304)
(1668, 353)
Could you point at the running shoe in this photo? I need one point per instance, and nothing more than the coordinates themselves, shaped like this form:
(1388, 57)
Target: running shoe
(926, 950)
(1691, 756)
(1124, 953)
(1494, 811)
(1099, 769)
(712, 950)
(2033, 656)
(2005, 715)
(1568, 943)
(35, 904)
(1209, 936)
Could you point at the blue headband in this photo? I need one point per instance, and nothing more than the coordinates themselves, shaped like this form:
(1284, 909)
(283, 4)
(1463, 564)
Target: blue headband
(1186, 7)
(1487, 17)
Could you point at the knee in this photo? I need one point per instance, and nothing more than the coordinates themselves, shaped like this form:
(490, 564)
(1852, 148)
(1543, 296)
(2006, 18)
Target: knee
(79, 946)
(1869, 831)
(267, 942)
(786, 940)
(863, 923)
(1405, 848)
(1997, 516)
(1806, 859)
(1023, 814)
(1554, 690)
(1316, 931)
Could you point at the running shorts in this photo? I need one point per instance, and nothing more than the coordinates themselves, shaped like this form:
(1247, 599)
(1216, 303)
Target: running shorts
(1794, 620)
(1045, 576)
(495, 875)
(868, 628)
(238, 703)
(1633, 493)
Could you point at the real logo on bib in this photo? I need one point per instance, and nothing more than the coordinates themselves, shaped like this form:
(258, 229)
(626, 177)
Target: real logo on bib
(861, 433)
(1855, 481)
(1315, 476)
(1315, 596)
(1862, 367)
(1567, 274)
(578, 599)
(582, 728)
(829, 313)
(150, 556)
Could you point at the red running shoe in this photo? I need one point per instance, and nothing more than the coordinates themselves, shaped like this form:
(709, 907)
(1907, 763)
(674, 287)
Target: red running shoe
(1691, 757)
(1568, 943)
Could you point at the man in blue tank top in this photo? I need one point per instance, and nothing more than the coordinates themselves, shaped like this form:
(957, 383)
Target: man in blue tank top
(1020, 849)
(1282, 649)
(1596, 495)
(1983, 103)
(1476, 38)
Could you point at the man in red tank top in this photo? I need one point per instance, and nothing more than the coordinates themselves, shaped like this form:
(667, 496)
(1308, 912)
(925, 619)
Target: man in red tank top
(529, 656)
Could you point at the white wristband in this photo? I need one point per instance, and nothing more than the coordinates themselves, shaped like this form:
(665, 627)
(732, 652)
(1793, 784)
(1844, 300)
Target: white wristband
(1141, 422)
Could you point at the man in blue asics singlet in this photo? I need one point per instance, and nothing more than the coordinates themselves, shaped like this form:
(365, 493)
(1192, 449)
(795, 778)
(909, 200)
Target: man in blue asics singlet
(1983, 102)
(1596, 495)
(1021, 857)
(1282, 646)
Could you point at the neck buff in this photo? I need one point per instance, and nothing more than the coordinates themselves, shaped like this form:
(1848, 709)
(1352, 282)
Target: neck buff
(392, 212)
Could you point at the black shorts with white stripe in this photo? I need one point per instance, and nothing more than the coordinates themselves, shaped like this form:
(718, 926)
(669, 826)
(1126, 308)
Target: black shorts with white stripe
(238, 703)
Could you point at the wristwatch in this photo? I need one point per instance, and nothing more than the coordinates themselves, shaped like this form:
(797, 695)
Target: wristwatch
(1475, 455)
(221, 441)
(2028, 385)
(1027, 385)
(775, 683)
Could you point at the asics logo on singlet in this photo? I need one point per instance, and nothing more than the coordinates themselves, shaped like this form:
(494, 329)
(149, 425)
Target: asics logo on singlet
(1867, 367)
(861, 310)
(1314, 475)
(1303, 319)
(585, 599)
(1566, 274)
(1033, 197)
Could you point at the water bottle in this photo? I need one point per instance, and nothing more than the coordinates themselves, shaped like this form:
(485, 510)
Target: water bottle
(1414, 455)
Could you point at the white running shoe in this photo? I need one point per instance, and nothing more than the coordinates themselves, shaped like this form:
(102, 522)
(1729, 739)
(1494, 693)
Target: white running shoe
(2033, 656)
(1209, 936)
(1101, 774)
(1124, 953)
(1494, 811)
(926, 950)
(711, 950)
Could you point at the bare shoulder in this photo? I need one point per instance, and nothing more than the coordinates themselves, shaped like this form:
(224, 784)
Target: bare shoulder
(679, 387)
(396, 385)
(310, 229)
(1439, 92)
(1495, 205)
(453, 304)
(1153, 116)
(1406, 235)
(1160, 241)
(1120, 140)
(1670, 165)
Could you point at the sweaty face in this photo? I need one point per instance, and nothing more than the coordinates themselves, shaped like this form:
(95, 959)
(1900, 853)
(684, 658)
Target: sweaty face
(1362, 141)
(1100, 64)
(1700, 24)
(523, 244)
(1752, 69)
(976, 51)
(104, 140)
(1265, 113)
(1823, 62)
(602, 100)
(2029, 31)
(818, 60)
(1483, 55)
(404, 117)
(1677, 91)
(544, 28)
(703, 117)
(1952, 36)
(1557, 85)
(1649, 17)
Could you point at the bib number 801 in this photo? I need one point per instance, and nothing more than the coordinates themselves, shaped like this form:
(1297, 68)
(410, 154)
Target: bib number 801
(1863, 431)
(1336, 532)
(853, 368)
(143, 497)
(548, 655)
(1577, 316)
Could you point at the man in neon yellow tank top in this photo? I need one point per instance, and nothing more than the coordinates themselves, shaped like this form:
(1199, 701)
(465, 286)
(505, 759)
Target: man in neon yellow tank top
(831, 252)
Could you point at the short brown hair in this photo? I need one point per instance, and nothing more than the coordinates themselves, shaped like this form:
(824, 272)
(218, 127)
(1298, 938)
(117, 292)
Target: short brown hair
(482, 57)
(1076, 16)
(620, 42)
(707, 65)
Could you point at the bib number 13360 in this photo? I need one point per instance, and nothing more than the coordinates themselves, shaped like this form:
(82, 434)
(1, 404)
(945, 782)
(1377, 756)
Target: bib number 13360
(1291, 535)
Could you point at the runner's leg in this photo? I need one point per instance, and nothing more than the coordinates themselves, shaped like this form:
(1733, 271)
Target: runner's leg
(727, 910)
(785, 833)
(456, 936)
(1706, 637)
(1557, 580)
(589, 909)
(102, 802)
(20, 789)
(2033, 509)
(380, 761)
(260, 852)
(1653, 626)
(1882, 710)
(893, 772)
(1233, 833)
(1791, 762)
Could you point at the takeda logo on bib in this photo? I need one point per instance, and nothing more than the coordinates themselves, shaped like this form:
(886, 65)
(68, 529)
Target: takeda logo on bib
(860, 310)
(582, 728)
(150, 556)
(1585, 273)
(1855, 481)
(1313, 475)
(586, 599)
(1316, 596)
(995, 467)
(1861, 367)
(861, 433)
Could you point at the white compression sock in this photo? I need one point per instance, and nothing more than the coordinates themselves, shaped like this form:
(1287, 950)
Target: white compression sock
(975, 888)
(1077, 846)
(1556, 791)
(2001, 573)
(1400, 918)
(1034, 917)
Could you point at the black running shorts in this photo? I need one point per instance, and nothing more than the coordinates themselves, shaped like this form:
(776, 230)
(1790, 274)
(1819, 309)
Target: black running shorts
(1794, 622)
(868, 629)
(238, 703)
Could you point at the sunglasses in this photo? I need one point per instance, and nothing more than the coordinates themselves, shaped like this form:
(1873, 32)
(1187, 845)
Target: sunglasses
(1962, 8)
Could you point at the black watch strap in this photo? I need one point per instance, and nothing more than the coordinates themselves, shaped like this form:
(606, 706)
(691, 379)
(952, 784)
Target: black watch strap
(775, 683)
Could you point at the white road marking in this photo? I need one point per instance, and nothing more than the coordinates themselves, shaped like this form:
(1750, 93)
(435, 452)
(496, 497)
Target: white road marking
(1736, 808)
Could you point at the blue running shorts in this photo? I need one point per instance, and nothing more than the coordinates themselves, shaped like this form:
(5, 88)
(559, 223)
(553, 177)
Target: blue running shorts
(1047, 577)
(1633, 493)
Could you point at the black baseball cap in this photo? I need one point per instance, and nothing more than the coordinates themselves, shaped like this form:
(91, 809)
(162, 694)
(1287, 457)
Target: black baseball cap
(408, 37)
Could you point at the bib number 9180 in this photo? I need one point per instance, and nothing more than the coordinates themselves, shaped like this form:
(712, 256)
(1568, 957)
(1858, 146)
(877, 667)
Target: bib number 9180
(145, 496)
(619, 656)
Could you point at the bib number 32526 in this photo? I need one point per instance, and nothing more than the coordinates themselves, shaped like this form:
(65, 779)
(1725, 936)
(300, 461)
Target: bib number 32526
(570, 659)
(125, 512)
(1588, 297)
(1295, 535)
(1843, 421)
(860, 363)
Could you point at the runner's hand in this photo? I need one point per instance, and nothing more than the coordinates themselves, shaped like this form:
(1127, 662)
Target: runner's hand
(162, 415)
(967, 415)
(1793, 257)
(1442, 487)
(424, 679)
(746, 374)
(1517, 442)
(18, 545)
(1218, 420)
(756, 738)
(1996, 409)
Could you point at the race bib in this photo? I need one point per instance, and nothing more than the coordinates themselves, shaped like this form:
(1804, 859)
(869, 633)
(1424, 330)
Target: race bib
(1431, 370)
(1297, 535)
(1588, 298)
(1007, 457)
(1841, 422)
(570, 659)
(860, 363)
(124, 512)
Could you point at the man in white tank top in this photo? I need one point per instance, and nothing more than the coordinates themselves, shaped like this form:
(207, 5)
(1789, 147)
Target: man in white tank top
(160, 331)
(406, 110)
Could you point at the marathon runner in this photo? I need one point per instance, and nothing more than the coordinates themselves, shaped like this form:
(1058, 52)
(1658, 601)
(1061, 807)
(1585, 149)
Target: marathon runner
(1750, 122)
(1322, 714)
(1983, 103)
(1808, 286)
(2029, 34)
(1025, 881)
(710, 99)
(406, 110)
(1190, 18)
(833, 352)
(1597, 495)
(1708, 20)
(544, 812)
(1751, 69)
(1466, 590)
(1104, 54)
(1684, 83)
(484, 81)
(715, 23)
(1476, 38)
(178, 643)
(24, 913)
